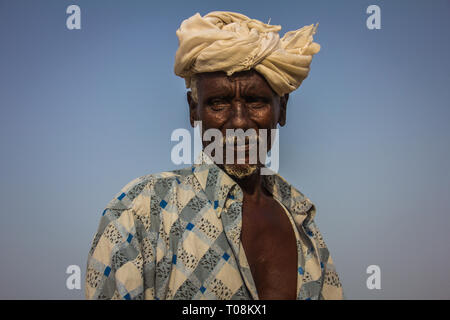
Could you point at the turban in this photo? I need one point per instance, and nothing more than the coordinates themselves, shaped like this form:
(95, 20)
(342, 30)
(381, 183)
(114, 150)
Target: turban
(232, 42)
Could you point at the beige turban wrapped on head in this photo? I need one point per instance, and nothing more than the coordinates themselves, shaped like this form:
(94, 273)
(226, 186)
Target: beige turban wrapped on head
(232, 42)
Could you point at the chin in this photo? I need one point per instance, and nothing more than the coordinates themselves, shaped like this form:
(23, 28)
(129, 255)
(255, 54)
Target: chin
(240, 171)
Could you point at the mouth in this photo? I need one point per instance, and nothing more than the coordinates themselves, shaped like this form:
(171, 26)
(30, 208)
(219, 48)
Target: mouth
(241, 147)
(240, 144)
(242, 153)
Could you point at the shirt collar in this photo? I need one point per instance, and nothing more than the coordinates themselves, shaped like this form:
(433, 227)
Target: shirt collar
(219, 186)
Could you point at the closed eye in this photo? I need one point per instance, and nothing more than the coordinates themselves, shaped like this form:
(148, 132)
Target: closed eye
(218, 104)
(257, 102)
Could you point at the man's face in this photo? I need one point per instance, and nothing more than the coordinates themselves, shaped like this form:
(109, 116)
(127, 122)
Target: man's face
(241, 101)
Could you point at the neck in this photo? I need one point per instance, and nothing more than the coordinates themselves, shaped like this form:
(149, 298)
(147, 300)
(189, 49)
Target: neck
(252, 186)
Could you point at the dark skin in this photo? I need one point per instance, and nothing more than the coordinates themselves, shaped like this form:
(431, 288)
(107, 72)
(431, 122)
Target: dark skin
(245, 100)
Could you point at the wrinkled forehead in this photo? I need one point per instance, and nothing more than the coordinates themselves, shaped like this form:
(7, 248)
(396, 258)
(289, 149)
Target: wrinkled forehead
(250, 81)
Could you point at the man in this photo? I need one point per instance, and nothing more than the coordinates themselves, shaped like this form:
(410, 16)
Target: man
(220, 229)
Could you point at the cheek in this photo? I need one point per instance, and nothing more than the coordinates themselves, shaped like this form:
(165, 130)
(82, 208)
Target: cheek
(212, 119)
(266, 117)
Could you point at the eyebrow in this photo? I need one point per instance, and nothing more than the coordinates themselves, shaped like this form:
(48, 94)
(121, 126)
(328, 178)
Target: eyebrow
(254, 89)
(224, 90)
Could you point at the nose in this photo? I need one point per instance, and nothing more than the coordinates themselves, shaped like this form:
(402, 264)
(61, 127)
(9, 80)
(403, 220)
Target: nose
(239, 117)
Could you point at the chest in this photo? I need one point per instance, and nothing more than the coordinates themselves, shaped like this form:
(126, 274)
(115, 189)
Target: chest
(270, 246)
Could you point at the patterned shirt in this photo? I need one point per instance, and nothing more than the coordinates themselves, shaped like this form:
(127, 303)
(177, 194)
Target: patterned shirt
(176, 235)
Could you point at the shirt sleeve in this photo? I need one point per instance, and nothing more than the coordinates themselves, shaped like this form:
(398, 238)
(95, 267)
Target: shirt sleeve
(331, 284)
(119, 250)
(332, 287)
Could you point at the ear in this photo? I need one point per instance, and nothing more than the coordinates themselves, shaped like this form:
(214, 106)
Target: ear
(283, 106)
(193, 109)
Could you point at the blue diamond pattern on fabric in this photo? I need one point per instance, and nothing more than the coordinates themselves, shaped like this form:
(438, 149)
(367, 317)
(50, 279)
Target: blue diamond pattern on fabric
(174, 259)
(226, 256)
(121, 196)
(163, 204)
(107, 271)
(216, 204)
(202, 289)
(321, 265)
(190, 226)
(300, 270)
(130, 236)
(127, 296)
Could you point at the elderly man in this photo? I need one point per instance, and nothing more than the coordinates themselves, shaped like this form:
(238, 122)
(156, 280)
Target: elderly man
(220, 230)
